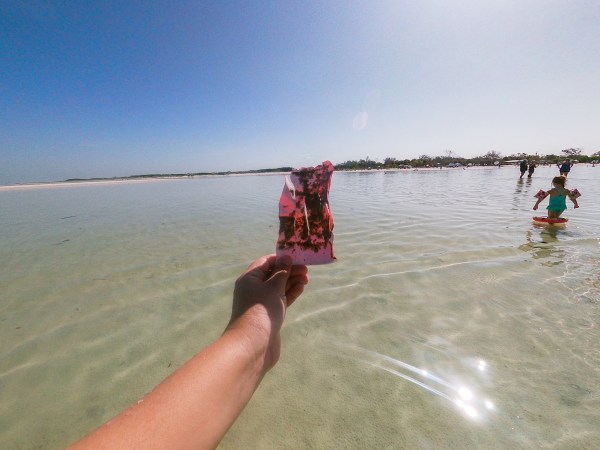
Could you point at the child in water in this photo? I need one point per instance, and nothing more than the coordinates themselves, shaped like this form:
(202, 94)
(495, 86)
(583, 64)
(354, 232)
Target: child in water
(558, 198)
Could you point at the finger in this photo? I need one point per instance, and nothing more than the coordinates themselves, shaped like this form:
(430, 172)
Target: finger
(295, 287)
(294, 292)
(268, 260)
(281, 273)
(298, 270)
(261, 267)
(296, 279)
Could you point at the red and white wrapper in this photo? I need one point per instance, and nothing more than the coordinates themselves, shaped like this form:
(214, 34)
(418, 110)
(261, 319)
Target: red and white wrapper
(305, 220)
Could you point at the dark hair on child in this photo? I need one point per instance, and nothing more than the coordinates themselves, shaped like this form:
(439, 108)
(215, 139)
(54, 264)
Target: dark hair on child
(559, 180)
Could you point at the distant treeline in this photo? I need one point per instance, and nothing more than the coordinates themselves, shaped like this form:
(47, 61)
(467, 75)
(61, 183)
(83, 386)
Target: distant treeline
(489, 159)
(183, 175)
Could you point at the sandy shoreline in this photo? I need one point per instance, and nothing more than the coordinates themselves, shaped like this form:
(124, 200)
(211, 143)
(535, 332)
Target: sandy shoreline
(61, 184)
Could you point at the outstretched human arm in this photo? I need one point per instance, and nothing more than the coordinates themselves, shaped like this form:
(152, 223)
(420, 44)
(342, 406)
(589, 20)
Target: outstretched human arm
(541, 195)
(539, 200)
(195, 406)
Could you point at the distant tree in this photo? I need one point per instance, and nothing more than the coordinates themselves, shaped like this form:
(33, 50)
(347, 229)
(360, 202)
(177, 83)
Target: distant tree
(391, 162)
(572, 151)
(596, 154)
(492, 155)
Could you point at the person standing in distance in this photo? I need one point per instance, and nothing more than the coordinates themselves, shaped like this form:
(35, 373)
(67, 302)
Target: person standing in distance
(523, 167)
(565, 167)
(531, 169)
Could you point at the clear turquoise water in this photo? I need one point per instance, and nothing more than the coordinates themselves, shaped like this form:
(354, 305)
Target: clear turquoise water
(449, 320)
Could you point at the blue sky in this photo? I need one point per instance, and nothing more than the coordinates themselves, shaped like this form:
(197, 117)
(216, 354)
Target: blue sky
(102, 89)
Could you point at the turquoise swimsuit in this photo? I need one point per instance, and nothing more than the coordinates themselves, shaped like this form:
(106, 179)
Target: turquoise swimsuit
(558, 203)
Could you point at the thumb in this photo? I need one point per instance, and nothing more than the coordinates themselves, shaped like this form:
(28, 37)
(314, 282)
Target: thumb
(281, 273)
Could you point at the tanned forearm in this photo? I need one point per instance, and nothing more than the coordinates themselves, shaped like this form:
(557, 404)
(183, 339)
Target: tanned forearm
(196, 405)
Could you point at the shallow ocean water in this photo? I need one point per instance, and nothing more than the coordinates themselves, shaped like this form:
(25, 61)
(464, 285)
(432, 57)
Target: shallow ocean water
(450, 320)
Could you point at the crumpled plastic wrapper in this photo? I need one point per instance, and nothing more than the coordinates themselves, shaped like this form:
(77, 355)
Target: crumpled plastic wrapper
(305, 220)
